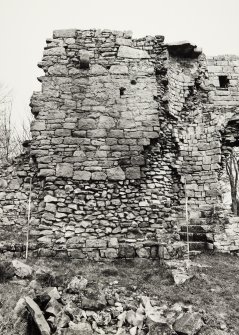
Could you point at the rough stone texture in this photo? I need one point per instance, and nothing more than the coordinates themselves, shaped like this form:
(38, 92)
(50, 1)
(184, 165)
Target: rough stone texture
(119, 125)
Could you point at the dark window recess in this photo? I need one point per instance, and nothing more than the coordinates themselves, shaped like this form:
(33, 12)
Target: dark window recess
(122, 90)
(223, 81)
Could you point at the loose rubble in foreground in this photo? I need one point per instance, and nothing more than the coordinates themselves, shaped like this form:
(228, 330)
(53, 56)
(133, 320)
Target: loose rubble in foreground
(82, 306)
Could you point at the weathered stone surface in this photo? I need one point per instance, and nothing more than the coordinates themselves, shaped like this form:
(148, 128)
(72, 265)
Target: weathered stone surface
(132, 173)
(67, 33)
(49, 198)
(129, 52)
(162, 328)
(79, 328)
(96, 244)
(188, 324)
(99, 176)
(126, 251)
(82, 175)
(211, 331)
(110, 104)
(38, 316)
(22, 270)
(116, 173)
(77, 284)
(64, 170)
(106, 122)
(119, 69)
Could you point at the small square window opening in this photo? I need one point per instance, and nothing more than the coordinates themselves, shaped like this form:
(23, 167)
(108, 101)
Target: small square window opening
(223, 81)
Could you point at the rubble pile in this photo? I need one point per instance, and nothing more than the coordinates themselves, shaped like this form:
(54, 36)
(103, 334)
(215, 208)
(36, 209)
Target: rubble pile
(81, 306)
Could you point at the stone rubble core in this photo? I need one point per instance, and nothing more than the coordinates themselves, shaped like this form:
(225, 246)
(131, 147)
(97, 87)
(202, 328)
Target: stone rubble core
(119, 125)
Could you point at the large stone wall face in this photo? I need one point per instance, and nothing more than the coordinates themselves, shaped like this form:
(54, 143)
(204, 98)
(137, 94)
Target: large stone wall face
(119, 125)
(108, 182)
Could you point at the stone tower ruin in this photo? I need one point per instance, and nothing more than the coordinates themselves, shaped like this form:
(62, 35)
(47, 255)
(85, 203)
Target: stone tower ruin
(121, 125)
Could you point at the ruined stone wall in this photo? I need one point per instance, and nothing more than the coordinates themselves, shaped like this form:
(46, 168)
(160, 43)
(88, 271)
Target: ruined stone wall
(227, 66)
(107, 191)
(119, 125)
(15, 189)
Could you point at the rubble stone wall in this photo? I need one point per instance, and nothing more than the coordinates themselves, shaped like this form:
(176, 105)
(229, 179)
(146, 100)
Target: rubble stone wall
(119, 125)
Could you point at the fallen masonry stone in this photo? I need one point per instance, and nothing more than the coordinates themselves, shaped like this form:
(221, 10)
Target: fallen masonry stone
(212, 331)
(38, 317)
(93, 299)
(22, 270)
(53, 307)
(180, 276)
(7, 270)
(80, 328)
(188, 324)
(134, 319)
(77, 284)
(161, 328)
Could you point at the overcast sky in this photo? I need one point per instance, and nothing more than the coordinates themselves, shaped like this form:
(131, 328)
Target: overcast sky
(25, 25)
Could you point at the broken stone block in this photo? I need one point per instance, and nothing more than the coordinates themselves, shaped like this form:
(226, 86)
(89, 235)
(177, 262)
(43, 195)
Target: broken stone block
(79, 328)
(161, 328)
(180, 276)
(116, 173)
(135, 319)
(77, 284)
(22, 270)
(188, 324)
(64, 170)
(38, 317)
(53, 307)
(94, 301)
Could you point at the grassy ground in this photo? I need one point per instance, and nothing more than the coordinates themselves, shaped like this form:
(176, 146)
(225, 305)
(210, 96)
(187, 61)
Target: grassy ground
(214, 288)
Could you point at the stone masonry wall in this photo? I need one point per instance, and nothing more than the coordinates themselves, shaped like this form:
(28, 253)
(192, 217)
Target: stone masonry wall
(119, 125)
(107, 192)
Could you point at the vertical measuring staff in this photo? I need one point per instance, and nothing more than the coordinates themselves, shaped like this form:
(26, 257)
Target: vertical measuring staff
(28, 218)
(186, 214)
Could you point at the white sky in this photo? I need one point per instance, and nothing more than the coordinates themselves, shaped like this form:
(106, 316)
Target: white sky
(25, 25)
